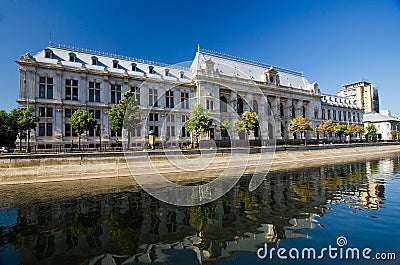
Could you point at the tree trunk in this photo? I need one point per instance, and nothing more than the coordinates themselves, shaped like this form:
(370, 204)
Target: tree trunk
(129, 139)
(79, 142)
(305, 138)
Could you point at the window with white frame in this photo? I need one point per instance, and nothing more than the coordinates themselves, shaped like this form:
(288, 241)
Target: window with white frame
(169, 99)
(71, 89)
(136, 94)
(45, 112)
(94, 91)
(170, 131)
(184, 100)
(46, 87)
(115, 93)
(95, 60)
(72, 57)
(115, 64)
(153, 97)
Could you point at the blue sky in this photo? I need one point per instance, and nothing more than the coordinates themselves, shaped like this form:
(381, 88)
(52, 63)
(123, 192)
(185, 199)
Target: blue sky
(333, 42)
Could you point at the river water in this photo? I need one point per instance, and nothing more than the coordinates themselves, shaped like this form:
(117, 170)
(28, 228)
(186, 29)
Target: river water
(352, 210)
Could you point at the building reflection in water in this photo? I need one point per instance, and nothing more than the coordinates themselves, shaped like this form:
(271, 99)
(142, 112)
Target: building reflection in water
(126, 227)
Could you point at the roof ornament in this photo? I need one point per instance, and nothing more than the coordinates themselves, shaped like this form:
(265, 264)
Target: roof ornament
(27, 57)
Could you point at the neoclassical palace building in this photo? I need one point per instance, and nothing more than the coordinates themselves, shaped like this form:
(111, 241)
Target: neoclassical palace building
(61, 79)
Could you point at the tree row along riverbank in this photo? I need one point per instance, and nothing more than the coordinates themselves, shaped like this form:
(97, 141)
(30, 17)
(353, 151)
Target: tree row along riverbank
(40, 169)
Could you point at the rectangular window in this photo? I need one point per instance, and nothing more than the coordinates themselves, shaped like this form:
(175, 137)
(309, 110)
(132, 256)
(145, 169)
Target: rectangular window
(170, 118)
(344, 116)
(136, 94)
(329, 114)
(153, 95)
(153, 117)
(67, 129)
(42, 129)
(49, 129)
(323, 114)
(96, 113)
(155, 129)
(94, 92)
(334, 115)
(170, 131)
(46, 87)
(68, 112)
(184, 100)
(71, 89)
(45, 112)
(42, 112)
(169, 99)
(115, 93)
(340, 115)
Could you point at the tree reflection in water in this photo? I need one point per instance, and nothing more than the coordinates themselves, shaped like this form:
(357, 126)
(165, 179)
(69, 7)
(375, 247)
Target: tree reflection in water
(130, 226)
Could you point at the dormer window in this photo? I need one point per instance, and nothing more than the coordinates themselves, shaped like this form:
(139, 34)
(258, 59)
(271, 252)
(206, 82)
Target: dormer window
(72, 57)
(48, 54)
(94, 60)
(115, 64)
(182, 74)
(271, 79)
(277, 80)
(151, 69)
(166, 72)
(133, 66)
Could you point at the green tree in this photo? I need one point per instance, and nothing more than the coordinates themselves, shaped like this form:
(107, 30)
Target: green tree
(351, 130)
(360, 131)
(8, 129)
(82, 121)
(302, 125)
(15, 115)
(250, 121)
(125, 115)
(339, 130)
(394, 134)
(199, 122)
(23, 120)
(225, 125)
(326, 127)
(371, 131)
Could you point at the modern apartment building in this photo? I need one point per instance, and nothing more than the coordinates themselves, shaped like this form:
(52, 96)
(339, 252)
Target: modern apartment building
(364, 93)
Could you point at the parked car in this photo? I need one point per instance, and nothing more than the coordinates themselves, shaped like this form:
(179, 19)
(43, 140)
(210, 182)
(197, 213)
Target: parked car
(3, 149)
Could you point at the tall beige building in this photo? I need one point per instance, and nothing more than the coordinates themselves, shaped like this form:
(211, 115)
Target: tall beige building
(364, 93)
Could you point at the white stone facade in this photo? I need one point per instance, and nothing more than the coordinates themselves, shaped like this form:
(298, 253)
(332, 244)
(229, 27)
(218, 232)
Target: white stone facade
(61, 79)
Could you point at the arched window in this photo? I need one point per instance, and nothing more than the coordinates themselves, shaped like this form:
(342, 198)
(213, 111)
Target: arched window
(255, 106)
(270, 131)
(271, 79)
(239, 105)
(223, 104)
(281, 112)
(293, 111)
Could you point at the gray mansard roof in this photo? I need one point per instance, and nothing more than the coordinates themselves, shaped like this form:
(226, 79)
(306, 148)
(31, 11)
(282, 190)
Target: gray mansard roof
(338, 101)
(243, 68)
(377, 117)
(225, 64)
(84, 57)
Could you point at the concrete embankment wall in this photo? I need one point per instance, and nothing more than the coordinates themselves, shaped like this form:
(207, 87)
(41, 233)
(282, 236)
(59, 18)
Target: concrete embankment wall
(62, 167)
